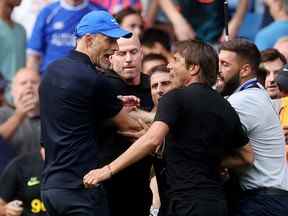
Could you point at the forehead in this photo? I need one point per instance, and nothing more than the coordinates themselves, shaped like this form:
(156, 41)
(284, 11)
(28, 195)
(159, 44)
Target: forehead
(277, 64)
(128, 44)
(228, 56)
(159, 77)
(178, 57)
(132, 18)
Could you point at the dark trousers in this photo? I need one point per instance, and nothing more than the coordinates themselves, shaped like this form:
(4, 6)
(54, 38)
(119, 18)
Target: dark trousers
(263, 202)
(197, 207)
(76, 202)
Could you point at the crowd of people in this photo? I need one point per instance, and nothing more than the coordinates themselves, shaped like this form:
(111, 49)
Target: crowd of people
(143, 107)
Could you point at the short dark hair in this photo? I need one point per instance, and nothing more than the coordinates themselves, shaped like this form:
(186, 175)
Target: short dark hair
(244, 49)
(153, 35)
(159, 69)
(272, 54)
(202, 54)
(154, 56)
(126, 12)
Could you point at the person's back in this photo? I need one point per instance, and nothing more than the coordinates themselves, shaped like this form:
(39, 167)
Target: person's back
(206, 18)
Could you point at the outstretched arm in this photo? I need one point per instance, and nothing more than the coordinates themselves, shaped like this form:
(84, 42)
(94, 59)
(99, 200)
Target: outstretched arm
(141, 148)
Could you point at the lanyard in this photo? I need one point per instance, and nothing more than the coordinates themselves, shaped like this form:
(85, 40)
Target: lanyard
(249, 84)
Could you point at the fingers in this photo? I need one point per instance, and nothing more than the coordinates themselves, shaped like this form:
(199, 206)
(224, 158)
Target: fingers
(14, 208)
(130, 134)
(143, 124)
(129, 100)
(89, 180)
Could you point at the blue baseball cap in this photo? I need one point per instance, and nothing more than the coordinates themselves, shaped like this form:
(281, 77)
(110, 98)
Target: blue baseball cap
(100, 22)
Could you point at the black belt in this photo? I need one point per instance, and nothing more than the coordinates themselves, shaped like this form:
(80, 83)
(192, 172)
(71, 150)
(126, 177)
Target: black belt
(265, 191)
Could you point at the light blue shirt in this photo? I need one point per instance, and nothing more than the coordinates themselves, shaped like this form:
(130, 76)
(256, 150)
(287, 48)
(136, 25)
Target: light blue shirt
(268, 36)
(261, 121)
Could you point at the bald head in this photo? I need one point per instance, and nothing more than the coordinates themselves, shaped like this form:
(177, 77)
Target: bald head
(129, 41)
(25, 80)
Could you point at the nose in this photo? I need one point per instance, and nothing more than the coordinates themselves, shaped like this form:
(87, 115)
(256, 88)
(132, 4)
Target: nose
(159, 89)
(128, 57)
(271, 77)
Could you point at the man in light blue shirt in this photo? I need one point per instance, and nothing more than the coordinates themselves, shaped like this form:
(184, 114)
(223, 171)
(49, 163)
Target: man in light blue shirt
(265, 182)
(268, 36)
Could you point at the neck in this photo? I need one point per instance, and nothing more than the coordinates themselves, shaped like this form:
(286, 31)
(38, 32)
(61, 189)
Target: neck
(245, 79)
(193, 79)
(136, 81)
(5, 12)
(82, 49)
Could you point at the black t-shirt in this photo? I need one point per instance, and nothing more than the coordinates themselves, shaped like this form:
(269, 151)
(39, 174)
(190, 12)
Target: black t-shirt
(21, 180)
(132, 182)
(75, 99)
(203, 128)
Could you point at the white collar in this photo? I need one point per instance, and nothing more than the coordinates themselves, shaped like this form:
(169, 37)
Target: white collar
(67, 6)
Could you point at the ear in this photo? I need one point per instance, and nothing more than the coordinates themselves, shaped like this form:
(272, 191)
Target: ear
(245, 70)
(194, 69)
(88, 40)
(110, 59)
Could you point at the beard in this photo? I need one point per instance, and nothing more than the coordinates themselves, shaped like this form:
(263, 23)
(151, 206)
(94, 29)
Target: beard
(230, 85)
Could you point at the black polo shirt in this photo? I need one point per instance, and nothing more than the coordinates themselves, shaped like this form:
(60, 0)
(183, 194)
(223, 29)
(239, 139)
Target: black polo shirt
(134, 181)
(203, 129)
(75, 99)
(142, 90)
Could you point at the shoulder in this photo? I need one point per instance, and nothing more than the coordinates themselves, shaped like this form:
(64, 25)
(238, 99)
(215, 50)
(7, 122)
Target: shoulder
(48, 10)
(247, 98)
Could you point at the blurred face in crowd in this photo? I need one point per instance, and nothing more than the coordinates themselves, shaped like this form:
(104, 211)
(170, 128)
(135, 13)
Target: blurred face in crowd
(26, 82)
(272, 68)
(133, 23)
(127, 60)
(282, 47)
(148, 65)
(100, 49)
(160, 84)
(178, 71)
(229, 72)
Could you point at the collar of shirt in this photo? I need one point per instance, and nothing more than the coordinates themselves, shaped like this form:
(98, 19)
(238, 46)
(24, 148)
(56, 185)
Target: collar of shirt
(70, 7)
(246, 85)
(82, 57)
